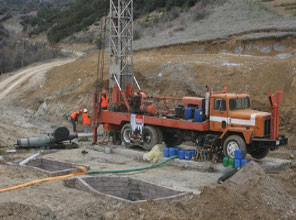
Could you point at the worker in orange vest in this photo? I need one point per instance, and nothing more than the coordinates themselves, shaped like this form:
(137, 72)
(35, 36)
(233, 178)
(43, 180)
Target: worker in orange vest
(104, 101)
(74, 118)
(86, 121)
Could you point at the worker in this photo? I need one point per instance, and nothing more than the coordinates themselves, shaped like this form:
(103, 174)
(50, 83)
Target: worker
(104, 101)
(74, 119)
(85, 121)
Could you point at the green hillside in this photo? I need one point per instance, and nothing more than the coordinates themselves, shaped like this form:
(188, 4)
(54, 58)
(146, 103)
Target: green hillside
(59, 24)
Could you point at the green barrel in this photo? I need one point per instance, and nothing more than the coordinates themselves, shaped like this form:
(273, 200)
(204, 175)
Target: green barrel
(231, 162)
(225, 161)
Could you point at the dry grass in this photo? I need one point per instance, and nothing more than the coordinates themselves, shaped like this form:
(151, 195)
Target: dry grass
(282, 7)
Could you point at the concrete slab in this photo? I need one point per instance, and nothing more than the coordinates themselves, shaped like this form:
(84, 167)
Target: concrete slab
(124, 189)
(269, 164)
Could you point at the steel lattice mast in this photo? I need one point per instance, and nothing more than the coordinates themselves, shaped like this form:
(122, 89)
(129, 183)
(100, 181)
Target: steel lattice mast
(121, 43)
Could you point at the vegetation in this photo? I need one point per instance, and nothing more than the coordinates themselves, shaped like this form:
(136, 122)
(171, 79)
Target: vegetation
(60, 24)
(15, 55)
(144, 7)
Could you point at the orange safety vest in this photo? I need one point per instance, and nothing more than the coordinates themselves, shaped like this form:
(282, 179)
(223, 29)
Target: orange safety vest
(105, 102)
(85, 119)
(74, 114)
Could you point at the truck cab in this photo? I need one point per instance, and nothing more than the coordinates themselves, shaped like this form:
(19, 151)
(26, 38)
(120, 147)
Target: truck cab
(240, 127)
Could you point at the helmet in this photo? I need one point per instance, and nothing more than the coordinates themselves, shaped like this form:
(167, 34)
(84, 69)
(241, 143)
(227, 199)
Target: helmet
(80, 111)
(85, 110)
(105, 92)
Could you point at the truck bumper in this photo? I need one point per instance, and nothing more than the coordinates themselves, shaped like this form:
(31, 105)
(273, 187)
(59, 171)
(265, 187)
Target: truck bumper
(268, 143)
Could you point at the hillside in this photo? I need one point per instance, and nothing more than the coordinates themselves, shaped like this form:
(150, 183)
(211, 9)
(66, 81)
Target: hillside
(59, 23)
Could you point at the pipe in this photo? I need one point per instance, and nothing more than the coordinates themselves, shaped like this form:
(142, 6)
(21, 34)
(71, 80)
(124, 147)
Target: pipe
(61, 134)
(207, 107)
(117, 83)
(83, 135)
(92, 172)
(24, 162)
(137, 83)
(35, 141)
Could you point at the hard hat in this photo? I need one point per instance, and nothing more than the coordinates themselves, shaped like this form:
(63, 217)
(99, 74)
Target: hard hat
(80, 111)
(105, 92)
(85, 110)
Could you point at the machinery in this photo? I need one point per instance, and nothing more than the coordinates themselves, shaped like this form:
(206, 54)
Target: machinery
(220, 121)
(51, 141)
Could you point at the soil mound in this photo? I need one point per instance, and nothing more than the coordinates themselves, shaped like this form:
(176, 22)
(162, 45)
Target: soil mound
(249, 194)
(16, 211)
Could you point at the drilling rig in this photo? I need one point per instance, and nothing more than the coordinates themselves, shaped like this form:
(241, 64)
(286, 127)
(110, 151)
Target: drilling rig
(220, 121)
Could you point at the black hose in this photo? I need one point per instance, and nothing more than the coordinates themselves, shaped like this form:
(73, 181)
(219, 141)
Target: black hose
(228, 173)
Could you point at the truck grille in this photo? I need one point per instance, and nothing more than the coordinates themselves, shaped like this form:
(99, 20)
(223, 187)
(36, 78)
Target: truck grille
(267, 127)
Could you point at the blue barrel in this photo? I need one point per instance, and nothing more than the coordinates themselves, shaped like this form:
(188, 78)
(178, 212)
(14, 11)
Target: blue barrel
(198, 115)
(166, 152)
(237, 163)
(193, 152)
(243, 162)
(181, 154)
(177, 151)
(188, 113)
(172, 151)
(238, 154)
(188, 155)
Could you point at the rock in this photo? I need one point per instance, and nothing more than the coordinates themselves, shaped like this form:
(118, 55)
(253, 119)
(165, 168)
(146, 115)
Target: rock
(1, 158)
(201, 49)
(279, 47)
(284, 56)
(42, 109)
(249, 46)
(292, 156)
(238, 50)
(265, 49)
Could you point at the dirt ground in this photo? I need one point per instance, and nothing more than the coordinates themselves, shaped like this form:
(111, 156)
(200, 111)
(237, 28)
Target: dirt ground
(246, 63)
(250, 194)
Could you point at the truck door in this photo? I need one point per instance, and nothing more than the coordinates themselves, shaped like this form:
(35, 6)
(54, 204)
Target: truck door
(218, 115)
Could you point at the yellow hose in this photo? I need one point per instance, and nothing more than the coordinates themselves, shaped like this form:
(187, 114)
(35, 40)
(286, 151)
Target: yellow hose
(82, 169)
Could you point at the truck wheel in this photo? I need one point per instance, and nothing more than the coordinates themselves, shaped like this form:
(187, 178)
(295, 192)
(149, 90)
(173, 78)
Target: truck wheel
(126, 132)
(260, 153)
(160, 135)
(232, 143)
(172, 139)
(150, 137)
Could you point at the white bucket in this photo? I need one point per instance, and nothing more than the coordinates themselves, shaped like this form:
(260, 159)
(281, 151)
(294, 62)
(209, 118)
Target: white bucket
(108, 150)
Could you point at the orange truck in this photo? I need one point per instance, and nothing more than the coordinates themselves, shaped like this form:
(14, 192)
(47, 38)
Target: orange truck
(225, 121)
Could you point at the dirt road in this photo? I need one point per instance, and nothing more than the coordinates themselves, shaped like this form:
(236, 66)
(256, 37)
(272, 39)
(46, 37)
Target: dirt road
(16, 122)
(11, 83)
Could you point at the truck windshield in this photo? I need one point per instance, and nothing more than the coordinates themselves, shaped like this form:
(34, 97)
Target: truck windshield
(239, 103)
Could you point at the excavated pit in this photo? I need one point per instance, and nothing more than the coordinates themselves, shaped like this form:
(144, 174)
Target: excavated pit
(124, 189)
(53, 167)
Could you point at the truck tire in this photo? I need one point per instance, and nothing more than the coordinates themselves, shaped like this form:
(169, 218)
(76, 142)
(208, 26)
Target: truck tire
(126, 132)
(160, 135)
(232, 143)
(259, 153)
(150, 137)
(172, 139)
